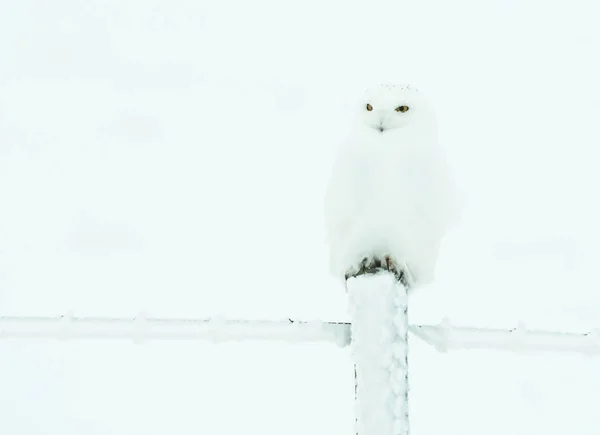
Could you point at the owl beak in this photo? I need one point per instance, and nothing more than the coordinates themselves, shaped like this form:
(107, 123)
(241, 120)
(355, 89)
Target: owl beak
(380, 128)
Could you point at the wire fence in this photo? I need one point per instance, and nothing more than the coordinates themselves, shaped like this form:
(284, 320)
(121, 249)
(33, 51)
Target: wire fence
(443, 336)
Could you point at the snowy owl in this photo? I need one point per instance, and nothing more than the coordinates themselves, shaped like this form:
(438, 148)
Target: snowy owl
(390, 199)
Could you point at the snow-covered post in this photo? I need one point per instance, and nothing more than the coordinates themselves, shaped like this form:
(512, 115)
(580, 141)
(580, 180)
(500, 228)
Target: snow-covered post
(378, 306)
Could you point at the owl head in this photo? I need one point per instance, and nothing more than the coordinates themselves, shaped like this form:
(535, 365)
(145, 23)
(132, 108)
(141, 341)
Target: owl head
(389, 108)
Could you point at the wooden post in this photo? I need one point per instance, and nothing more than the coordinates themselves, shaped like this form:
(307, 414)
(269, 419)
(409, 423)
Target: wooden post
(378, 306)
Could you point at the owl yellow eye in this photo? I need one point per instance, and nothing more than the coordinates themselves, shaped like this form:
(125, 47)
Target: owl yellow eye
(369, 107)
(402, 109)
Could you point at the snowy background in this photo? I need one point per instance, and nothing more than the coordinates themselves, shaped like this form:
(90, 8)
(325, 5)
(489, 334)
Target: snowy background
(171, 157)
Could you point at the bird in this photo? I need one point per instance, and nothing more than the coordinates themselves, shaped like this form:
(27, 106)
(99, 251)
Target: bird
(390, 198)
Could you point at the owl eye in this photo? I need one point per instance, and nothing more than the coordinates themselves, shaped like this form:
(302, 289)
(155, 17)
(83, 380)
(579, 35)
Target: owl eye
(369, 107)
(402, 109)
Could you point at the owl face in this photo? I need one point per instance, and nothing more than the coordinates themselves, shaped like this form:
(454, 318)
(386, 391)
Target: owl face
(389, 108)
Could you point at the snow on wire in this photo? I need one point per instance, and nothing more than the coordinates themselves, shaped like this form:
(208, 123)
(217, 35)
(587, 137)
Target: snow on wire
(143, 327)
(443, 336)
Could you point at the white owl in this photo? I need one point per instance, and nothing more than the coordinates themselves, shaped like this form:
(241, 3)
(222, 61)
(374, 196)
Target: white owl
(390, 199)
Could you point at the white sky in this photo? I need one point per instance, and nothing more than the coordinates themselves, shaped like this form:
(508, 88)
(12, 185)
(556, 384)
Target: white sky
(172, 156)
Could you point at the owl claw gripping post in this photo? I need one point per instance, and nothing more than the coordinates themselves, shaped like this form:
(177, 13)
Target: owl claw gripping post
(370, 265)
(389, 193)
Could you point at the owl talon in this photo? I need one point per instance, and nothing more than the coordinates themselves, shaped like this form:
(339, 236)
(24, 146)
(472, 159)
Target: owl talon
(369, 265)
(364, 264)
(400, 271)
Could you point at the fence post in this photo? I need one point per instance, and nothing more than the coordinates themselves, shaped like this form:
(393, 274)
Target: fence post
(378, 307)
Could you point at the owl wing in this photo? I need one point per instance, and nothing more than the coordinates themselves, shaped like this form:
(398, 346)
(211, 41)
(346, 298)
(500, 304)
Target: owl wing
(340, 200)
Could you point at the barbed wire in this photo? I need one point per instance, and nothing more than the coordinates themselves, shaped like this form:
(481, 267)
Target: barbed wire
(443, 336)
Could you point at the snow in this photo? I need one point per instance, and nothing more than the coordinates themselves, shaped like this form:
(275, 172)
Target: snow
(171, 158)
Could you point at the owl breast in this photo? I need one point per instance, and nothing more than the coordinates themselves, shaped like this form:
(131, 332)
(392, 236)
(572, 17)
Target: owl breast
(394, 210)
